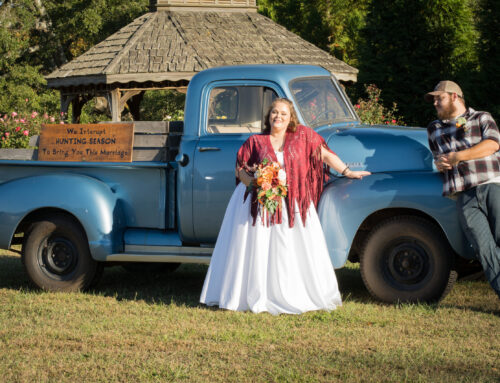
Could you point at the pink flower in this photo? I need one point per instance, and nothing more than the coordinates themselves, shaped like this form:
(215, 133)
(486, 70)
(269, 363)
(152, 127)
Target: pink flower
(357, 106)
(62, 122)
(22, 120)
(52, 119)
(13, 114)
(26, 100)
(393, 121)
(45, 116)
(7, 134)
(18, 128)
(34, 114)
(26, 132)
(3, 138)
(62, 113)
(266, 186)
(1, 119)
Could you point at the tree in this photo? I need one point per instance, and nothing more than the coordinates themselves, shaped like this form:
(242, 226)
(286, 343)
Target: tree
(36, 36)
(489, 55)
(332, 25)
(409, 46)
(20, 80)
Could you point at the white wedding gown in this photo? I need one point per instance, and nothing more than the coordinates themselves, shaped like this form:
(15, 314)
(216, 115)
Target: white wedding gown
(277, 269)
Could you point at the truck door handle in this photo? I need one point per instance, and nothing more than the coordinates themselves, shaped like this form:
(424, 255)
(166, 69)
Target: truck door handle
(208, 149)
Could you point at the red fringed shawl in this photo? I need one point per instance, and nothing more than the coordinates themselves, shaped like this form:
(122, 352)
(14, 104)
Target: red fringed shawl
(303, 165)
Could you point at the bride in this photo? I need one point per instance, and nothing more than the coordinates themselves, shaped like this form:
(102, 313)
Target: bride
(281, 266)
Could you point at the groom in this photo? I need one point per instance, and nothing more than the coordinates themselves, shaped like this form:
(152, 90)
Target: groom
(465, 145)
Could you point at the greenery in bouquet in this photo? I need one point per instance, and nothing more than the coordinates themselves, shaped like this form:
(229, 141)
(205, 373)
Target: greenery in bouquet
(17, 128)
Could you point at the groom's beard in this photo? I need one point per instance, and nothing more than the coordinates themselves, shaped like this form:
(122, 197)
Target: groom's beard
(447, 111)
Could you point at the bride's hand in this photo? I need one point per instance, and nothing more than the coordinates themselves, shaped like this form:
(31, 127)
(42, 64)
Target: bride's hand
(357, 174)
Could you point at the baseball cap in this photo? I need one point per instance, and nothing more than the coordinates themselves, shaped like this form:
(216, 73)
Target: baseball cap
(442, 87)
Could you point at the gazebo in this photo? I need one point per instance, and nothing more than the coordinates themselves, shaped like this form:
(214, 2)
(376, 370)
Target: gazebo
(166, 47)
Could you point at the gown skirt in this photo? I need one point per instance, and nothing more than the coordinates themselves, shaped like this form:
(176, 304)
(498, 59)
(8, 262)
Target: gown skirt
(273, 268)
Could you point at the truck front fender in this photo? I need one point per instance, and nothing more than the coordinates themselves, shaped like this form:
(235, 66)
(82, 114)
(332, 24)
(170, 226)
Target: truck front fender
(89, 200)
(346, 204)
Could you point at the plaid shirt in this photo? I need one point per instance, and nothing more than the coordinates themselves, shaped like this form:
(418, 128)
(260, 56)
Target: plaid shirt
(446, 137)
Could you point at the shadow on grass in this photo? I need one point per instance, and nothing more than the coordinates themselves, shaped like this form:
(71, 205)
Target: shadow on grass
(183, 287)
(12, 274)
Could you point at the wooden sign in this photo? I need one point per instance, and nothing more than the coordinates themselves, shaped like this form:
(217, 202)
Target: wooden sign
(86, 142)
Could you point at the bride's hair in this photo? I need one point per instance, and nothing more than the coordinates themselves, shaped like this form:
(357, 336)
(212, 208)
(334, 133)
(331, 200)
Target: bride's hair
(294, 121)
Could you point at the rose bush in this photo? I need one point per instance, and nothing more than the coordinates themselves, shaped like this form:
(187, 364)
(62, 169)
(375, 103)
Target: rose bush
(372, 111)
(17, 128)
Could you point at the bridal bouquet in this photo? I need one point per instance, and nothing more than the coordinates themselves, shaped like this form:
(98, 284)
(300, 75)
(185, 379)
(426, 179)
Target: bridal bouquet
(270, 183)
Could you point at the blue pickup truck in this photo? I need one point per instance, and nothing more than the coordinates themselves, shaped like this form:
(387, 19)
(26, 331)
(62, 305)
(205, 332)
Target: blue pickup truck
(72, 218)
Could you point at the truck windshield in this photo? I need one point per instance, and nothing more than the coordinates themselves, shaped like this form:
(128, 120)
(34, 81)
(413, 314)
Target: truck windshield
(320, 102)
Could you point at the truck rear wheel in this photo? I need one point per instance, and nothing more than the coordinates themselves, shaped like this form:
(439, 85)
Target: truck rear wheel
(406, 259)
(56, 255)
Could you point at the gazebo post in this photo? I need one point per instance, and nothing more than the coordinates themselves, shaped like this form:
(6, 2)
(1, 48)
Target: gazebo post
(66, 99)
(114, 104)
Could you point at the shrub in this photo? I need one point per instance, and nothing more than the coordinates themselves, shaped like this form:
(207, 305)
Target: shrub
(17, 128)
(372, 111)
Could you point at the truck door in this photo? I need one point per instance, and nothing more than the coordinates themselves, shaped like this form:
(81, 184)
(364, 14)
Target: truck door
(233, 112)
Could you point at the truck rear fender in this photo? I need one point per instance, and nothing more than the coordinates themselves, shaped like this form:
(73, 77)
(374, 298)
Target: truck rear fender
(349, 209)
(90, 201)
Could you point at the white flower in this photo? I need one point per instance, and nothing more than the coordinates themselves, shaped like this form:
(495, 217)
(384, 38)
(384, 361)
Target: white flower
(282, 177)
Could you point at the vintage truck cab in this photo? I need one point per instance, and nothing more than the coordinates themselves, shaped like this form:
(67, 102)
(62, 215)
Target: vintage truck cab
(74, 217)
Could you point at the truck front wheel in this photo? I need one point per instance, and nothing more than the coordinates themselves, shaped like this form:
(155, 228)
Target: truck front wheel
(56, 255)
(406, 259)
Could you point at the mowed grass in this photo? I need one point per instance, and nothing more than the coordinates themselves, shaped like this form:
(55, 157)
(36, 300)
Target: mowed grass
(150, 328)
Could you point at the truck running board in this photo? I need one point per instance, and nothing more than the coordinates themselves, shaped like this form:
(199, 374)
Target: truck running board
(175, 254)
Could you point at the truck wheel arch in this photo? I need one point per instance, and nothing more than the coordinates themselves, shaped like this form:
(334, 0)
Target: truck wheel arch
(89, 201)
(370, 222)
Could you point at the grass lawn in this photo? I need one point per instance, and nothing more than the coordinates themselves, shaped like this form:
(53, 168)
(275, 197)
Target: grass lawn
(150, 328)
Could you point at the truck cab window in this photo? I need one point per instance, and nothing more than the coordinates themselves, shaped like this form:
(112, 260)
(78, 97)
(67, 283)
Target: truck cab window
(238, 109)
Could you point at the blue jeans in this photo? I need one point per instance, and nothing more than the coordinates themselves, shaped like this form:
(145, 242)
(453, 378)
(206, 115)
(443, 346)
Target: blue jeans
(479, 213)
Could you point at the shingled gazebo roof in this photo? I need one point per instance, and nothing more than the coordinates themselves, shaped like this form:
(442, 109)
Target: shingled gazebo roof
(173, 43)
(166, 47)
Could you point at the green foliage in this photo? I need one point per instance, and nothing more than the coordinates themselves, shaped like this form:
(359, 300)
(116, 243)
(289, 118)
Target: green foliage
(77, 25)
(162, 105)
(333, 25)
(489, 54)
(20, 78)
(410, 46)
(372, 111)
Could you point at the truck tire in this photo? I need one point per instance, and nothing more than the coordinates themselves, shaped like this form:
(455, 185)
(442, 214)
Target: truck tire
(407, 259)
(56, 256)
